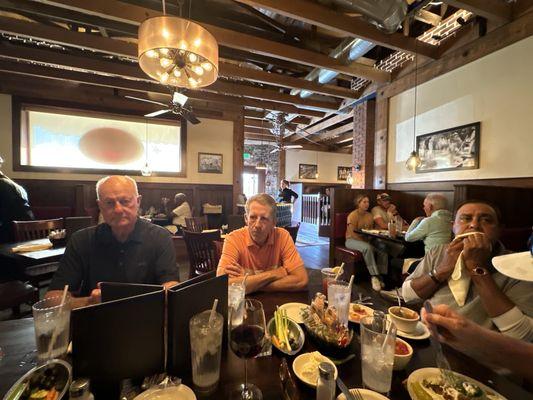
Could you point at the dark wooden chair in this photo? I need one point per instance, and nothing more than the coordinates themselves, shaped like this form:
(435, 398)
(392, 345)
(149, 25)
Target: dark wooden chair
(38, 275)
(196, 224)
(293, 231)
(38, 229)
(202, 250)
(15, 293)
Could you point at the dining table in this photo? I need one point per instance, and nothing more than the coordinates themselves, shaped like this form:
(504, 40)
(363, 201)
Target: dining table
(17, 339)
(395, 246)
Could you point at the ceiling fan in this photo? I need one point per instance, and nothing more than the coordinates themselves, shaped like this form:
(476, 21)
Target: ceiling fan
(279, 125)
(176, 106)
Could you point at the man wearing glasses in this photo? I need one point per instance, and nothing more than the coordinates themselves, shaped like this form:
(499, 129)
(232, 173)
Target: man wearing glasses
(122, 249)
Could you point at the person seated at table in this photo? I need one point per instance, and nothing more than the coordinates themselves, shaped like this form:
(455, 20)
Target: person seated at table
(286, 194)
(124, 248)
(461, 275)
(14, 206)
(181, 210)
(436, 227)
(359, 219)
(385, 212)
(263, 251)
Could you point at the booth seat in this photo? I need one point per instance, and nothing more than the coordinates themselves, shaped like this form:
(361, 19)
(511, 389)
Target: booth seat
(51, 212)
(352, 259)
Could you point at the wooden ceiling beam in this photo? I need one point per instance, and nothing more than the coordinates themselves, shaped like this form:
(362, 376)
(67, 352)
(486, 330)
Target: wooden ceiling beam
(327, 18)
(495, 10)
(259, 76)
(128, 13)
(127, 84)
(132, 71)
(335, 119)
(336, 133)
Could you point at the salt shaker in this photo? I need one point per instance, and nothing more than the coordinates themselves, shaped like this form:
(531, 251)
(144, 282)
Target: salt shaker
(325, 388)
(79, 390)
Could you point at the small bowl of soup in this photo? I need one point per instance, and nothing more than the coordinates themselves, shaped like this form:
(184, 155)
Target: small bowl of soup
(404, 318)
(402, 354)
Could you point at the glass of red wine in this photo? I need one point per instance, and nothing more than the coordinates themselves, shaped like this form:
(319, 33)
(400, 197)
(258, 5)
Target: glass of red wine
(247, 336)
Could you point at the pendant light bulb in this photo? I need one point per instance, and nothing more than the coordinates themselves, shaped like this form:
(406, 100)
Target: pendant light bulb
(146, 170)
(413, 162)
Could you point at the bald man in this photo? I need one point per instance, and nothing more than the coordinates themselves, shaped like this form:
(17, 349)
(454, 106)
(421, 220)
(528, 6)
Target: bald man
(122, 249)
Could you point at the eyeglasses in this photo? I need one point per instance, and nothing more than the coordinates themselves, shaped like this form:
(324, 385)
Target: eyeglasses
(124, 202)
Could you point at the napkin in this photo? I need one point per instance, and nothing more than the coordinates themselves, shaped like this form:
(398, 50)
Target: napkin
(459, 281)
(23, 248)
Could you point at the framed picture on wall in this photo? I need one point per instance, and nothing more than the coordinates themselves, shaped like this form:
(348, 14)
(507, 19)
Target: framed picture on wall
(307, 171)
(450, 149)
(343, 172)
(210, 163)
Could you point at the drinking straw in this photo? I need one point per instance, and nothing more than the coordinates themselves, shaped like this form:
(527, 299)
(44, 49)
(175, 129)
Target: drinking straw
(55, 333)
(350, 284)
(387, 335)
(244, 280)
(341, 270)
(212, 315)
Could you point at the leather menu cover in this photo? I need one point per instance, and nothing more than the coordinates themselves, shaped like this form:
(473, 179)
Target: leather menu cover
(184, 301)
(116, 291)
(119, 339)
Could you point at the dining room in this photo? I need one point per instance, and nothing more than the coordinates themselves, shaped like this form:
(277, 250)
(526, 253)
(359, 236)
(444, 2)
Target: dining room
(354, 124)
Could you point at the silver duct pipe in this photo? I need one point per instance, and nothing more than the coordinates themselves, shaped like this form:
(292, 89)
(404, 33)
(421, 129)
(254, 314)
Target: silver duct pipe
(387, 15)
(349, 50)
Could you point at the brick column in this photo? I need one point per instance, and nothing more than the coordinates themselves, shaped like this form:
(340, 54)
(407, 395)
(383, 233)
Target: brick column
(363, 145)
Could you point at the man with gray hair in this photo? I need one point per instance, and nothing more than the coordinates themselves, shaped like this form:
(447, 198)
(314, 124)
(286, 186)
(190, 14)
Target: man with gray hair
(124, 248)
(261, 250)
(436, 227)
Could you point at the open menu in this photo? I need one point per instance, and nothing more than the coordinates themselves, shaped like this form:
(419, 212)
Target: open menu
(140, 330)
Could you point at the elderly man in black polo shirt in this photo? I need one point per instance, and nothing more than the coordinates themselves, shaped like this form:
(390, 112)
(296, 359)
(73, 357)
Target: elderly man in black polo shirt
(123, 249)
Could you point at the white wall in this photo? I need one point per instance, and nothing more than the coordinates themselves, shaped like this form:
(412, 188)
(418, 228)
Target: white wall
(211, 136)
(327, 165)
(496, 90)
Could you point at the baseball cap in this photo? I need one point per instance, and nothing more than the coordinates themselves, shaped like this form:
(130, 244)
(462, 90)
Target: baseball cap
(515, 265)
(383, 196)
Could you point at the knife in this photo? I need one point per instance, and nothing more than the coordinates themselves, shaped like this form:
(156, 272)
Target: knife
(442, 361)
(344, 390)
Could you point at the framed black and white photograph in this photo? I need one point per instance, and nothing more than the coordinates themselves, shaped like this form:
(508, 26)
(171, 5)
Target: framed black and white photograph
(308, 171)
(343, 173)
(450, 149)
(210, 163)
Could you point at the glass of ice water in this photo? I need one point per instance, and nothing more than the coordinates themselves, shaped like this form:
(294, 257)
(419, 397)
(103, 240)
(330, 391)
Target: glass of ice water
(378, 339)
(206, 344)
(339, 296)
(236, 292)
(52, 327)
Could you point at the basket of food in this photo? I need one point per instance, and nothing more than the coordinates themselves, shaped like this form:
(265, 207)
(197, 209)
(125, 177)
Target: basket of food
(331, 338)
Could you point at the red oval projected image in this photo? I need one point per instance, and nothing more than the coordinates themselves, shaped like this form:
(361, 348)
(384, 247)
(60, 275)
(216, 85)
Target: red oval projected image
(111, 146)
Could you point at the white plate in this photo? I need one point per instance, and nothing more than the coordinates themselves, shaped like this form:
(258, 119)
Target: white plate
(299, 363)
(424, 373)
(421, 332)
(180, 392)
(365, 393)
(293, 311)
(369, 312)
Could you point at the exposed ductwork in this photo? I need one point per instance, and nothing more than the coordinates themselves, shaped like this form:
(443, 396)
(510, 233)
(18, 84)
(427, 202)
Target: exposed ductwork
(387, 15)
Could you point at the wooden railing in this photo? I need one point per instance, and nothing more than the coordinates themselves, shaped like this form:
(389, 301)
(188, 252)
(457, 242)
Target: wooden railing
(311, 208)
(324, 210)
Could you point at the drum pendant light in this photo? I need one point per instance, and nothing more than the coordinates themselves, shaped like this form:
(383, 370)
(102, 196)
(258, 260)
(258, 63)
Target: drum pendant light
(177, 52)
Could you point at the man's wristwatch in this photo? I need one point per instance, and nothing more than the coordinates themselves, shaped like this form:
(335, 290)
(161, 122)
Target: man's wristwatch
(432, 274)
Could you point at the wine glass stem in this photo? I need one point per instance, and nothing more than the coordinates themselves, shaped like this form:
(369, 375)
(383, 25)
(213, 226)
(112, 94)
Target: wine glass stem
(245, 376)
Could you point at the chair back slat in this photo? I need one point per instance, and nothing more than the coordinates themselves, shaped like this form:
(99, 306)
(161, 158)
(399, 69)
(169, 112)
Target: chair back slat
(196, 224)
(38, 229)
(203, 254)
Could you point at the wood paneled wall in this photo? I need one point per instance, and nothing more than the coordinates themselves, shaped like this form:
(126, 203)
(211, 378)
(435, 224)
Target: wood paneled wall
(80, 195)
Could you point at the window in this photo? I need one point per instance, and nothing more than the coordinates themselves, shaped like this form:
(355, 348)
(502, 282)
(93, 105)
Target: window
(91, 142)
(250, 184)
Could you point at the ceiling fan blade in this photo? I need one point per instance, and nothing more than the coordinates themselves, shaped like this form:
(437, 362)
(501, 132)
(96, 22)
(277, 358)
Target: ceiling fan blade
(293, 146)
(296, 132)
(275, 150)
(146, 100)
(189, 116)
(156, 113)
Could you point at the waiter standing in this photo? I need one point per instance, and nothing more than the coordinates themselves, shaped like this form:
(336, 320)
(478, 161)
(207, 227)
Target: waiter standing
(286, 194)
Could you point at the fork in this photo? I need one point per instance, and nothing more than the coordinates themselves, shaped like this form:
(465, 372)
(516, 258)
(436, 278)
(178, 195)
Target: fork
(357, 394)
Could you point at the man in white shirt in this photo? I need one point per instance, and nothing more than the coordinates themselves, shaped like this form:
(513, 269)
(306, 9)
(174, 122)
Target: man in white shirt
(181, 211)
(473, 287)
